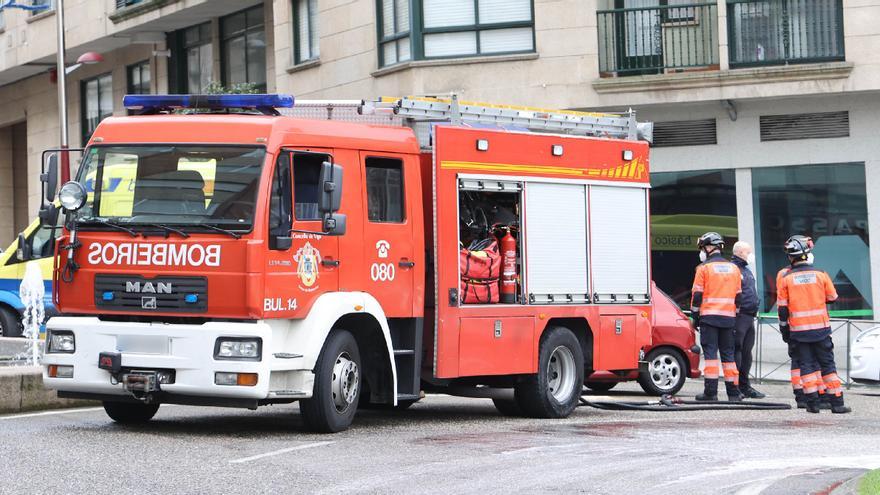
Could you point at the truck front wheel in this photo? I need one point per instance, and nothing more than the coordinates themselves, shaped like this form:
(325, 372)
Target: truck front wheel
(128, 413)
(555, 390)
(337, 385)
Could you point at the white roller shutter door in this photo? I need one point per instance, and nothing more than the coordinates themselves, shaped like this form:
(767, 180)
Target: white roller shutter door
(556, 243)
(619, 236)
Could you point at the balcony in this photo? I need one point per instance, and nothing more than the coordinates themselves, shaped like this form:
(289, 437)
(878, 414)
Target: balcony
(783, 32)
(658, 39)
(121, 4)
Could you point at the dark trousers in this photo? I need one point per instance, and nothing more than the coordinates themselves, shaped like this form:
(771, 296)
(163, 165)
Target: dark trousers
(817, 365)
(715, 341)
(745, 342)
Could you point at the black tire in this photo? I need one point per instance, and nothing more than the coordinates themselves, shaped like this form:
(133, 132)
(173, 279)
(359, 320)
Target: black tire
(508, 407)
(129, 413)
(535, 395)
(666, 374)
(321, 413)
(600, 386)
(10, 323)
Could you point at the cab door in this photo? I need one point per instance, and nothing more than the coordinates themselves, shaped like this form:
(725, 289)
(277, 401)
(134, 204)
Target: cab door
(389, 261)
(296, 276)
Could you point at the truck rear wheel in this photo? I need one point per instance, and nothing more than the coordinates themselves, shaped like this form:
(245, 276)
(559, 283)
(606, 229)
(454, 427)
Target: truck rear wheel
(555, 390)
(128, 413)
(337, 389)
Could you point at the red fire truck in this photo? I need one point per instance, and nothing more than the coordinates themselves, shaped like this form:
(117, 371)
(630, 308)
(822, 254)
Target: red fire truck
(255, 258)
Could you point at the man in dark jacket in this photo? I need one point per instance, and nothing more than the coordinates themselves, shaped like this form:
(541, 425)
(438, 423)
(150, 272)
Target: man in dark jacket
(743, 255)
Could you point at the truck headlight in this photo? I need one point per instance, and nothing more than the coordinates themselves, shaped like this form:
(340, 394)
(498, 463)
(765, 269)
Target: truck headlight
(61, 341)
(72, 196)
(249, 348)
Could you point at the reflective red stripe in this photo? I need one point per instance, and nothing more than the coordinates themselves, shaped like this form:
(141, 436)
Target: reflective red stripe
(731, 374)
(711, 368)
(796, 382)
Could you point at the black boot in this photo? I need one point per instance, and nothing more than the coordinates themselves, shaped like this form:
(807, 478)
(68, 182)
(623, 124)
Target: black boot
(710, 390)
(812, 402)
(800, 399)
(733, 393)
(824, 401)
(837, 406)
(749, 392)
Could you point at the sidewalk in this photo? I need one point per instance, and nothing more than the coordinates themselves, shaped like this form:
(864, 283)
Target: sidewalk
(21, 389)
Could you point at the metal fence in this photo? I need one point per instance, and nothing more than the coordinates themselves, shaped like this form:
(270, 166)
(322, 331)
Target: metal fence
(778, 32)
(771, 361)
(652, 40)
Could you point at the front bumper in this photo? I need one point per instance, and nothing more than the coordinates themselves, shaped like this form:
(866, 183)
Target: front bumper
(186, 349)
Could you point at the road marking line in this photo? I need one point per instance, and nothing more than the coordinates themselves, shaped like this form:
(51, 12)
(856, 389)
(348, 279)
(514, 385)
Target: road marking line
(279, 452)
(51, 413)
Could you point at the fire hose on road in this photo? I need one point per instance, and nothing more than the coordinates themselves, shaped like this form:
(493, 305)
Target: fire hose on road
(670, 403)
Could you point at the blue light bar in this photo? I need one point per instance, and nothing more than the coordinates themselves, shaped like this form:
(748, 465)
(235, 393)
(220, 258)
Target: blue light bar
(140, 102)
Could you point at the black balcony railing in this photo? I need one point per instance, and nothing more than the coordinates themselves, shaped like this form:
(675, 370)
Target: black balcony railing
(653, 40)
(778, 32)
(125, 3)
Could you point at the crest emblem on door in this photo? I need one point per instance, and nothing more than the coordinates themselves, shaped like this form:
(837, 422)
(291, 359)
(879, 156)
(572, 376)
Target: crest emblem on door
(307, 259)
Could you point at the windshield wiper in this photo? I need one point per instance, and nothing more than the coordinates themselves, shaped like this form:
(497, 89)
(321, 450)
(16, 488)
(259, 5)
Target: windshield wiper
(218, 229)
(167, 229)
(101, 221)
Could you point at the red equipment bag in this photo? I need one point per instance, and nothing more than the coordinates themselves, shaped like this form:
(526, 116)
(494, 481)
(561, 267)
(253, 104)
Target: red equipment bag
(480, 272)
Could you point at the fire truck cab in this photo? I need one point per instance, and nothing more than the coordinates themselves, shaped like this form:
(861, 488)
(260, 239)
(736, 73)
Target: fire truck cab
(256, 258)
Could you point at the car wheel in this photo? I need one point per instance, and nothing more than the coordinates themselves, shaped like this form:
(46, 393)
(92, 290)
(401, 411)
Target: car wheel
(10, 323)
(600, 386)
(128, 413)
(337, 389)
(555, 390)
(507, 407)
(666, 374)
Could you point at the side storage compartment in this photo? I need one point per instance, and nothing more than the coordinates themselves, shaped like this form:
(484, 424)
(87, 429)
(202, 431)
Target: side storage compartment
(496, 346)
(615, 344)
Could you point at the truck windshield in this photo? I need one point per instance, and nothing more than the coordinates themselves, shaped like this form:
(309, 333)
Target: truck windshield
(171, 185)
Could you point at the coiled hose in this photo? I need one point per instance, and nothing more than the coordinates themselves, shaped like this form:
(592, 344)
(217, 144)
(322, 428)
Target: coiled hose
(669, 403)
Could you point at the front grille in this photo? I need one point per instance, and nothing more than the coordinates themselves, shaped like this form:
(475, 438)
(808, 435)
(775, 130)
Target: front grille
(162, 294)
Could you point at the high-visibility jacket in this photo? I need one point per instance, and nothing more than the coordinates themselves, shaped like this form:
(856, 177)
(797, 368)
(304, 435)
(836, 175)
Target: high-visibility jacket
(716, 291)
(802, 294)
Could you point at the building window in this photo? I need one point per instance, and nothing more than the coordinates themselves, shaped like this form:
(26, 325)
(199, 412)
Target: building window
(827, 203)
(97, 103)
(49, 4)
(685, 205)
(138, 78)
(385, 190)
(244, 48)
(121, 4)
(305, 21)
(2, 21)
(454, 28)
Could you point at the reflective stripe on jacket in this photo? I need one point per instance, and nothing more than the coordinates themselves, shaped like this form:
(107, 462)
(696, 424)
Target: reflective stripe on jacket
(719, 281)
(805, 291)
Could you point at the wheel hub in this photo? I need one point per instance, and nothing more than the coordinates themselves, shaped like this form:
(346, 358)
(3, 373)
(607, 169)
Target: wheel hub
(346, 381)
(665, 371)
(561, 373)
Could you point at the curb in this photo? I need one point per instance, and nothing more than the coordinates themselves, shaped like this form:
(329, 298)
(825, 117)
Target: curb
(21, 389)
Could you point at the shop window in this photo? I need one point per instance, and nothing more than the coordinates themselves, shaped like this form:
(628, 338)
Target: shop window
(385, 190)
(244, 48)
(305, 15)
(827, 203)
(96, 102)
(685, 205)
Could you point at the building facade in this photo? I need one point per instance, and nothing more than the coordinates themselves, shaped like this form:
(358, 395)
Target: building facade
(766, 111)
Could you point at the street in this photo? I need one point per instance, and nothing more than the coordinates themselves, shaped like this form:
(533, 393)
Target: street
(445, 444)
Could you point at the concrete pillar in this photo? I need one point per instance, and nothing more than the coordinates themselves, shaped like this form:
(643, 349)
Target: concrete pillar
(7, 225)
(22, 193)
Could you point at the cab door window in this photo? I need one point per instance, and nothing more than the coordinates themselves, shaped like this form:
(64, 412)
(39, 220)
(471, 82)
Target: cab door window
(306, 184)
(385, 190)
(280, 221)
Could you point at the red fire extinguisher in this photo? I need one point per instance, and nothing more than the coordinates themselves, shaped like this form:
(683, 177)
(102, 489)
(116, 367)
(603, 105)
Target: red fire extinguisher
(508, 267)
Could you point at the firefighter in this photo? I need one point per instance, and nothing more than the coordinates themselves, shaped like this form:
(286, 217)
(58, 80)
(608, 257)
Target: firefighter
(744, 330)
(803, 293)
(714, 303)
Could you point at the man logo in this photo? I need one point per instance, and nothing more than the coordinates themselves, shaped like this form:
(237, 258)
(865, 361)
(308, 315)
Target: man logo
(148, 302)
(148, 287)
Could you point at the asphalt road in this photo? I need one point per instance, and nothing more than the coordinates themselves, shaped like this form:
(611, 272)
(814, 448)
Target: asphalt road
(444, 445)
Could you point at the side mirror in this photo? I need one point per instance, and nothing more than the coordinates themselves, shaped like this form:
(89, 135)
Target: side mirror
(49, 215)
(23, 252)
(280, 243)
(50, 177)
(334, 224)
(331, 188)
